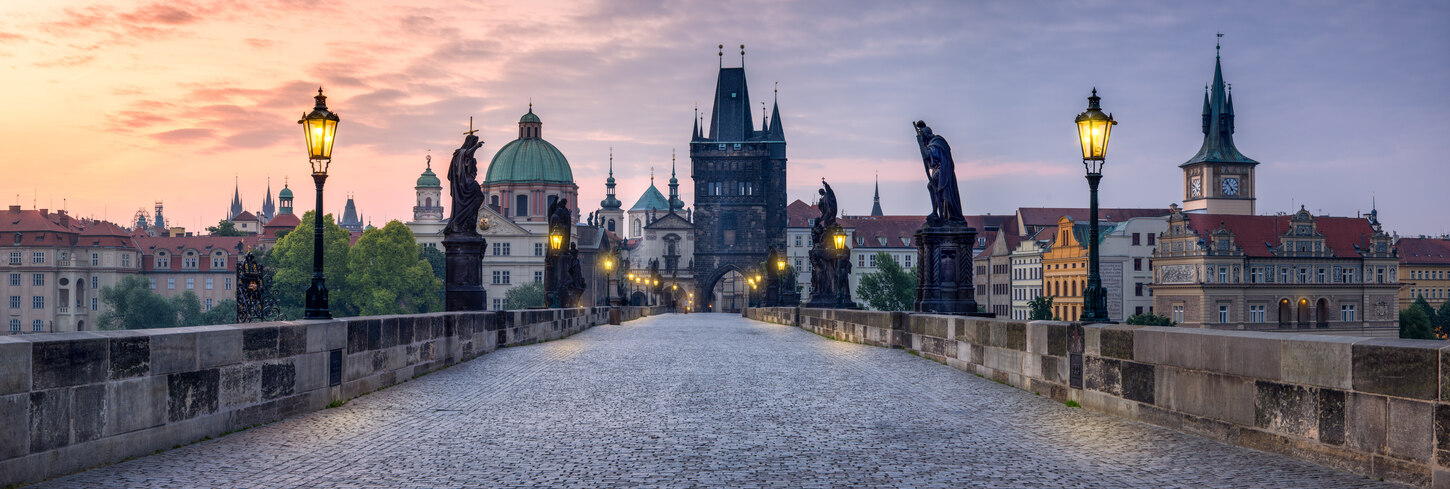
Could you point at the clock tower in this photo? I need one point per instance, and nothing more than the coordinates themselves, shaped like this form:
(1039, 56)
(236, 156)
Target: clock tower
(1219, 179)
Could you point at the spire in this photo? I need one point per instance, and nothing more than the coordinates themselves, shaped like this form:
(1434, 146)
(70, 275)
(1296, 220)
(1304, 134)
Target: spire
(776, 133)
(236, 207)
(730, 118)
(876, 201)
(1218, 117)
(269, 207)
(675, 202)
(696, 121)
(610, 202)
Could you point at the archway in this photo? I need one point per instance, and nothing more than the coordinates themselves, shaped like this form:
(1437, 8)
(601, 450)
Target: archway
(1321, 313)
(1285, 314)
(723, 291)
(1303, 316)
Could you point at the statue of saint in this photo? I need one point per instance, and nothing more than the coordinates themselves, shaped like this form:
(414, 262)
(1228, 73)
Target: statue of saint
(827, 205)
(941, 175)
(464, 189)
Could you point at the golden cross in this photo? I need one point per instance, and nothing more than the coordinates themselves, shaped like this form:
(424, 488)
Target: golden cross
(471, 130)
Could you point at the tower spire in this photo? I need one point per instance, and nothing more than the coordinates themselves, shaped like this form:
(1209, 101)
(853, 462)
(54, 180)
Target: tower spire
(876, 201)
(675, 202)
(610, 202)
(1218, 121)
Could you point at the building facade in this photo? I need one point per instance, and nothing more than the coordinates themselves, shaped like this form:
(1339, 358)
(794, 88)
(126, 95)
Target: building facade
(203, 265)
(56, 267)
(1064, 270)
(1424, 270)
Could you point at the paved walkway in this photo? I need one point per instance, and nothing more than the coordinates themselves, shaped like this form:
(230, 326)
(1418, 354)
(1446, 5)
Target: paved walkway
(707, 400)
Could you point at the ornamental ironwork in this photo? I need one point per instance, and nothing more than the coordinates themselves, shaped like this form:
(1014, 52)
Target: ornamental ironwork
(255, 301)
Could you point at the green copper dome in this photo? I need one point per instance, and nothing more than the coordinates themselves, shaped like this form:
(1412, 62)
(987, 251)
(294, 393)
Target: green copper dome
(286, 193)
(428, 179)
(529, 158)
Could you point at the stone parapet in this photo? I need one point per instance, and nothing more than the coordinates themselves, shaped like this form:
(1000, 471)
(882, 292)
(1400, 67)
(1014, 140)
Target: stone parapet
(1374, 406)
(71, 401)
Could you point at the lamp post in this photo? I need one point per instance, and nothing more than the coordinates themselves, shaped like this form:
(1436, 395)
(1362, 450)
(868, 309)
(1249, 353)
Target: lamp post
(608, 268)
(1093, 128)
(319, 128)
(552, 269)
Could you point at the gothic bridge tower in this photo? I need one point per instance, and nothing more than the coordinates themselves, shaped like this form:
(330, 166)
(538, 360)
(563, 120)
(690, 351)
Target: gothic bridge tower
(739, 174)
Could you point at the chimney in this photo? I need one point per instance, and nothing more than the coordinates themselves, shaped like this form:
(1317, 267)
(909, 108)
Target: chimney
(14, 209)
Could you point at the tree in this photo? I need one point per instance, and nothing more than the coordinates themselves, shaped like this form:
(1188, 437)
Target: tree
(1041, 308)
(223, 312)
(524, 296)
(290, 264)
(188, 308)
(435, 259)
(386, 275)
(1150, 319)
(1442, 328)
(131, 305)
(890, 287)
(1414, 324)
(225, 228)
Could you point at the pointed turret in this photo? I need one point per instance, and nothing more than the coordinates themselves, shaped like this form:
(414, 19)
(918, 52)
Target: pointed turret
(675, 203)
(610, 202)
(269, 208)
(876, 201)
(730, 119)
(1218, 143)
(776, 132)
(236, 207)
(696, 136)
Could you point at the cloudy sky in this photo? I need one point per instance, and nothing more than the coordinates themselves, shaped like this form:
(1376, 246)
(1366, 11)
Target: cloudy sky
(110, 106)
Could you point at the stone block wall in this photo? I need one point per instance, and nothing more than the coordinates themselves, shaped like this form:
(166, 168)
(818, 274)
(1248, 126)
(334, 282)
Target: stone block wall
(1374, 406)
(70, 401)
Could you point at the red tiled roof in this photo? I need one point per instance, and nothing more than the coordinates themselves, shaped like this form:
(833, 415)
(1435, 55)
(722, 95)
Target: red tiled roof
(280, 223)
(174, 246)
(1048, 216)
(1341, 234)
(897, 230)
(245, 216)
(1424, 251)
(798, 214)
(18, 220)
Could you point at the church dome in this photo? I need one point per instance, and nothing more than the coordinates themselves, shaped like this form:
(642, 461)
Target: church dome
(428, 179)
(651, 200)
(529, 158)
(286, 193)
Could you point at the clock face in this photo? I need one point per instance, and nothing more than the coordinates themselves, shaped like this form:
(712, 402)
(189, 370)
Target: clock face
(1230, 186)
(1195, 187)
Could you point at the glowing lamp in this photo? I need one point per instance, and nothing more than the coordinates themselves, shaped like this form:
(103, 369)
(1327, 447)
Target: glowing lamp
(319, 127)
(780, 265)
(657, 283)
(556, 241)
(1093, 129)
(839, 240)
(608, 264)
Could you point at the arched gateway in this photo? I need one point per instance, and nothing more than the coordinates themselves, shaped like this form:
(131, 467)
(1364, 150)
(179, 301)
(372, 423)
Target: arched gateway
(739, 174)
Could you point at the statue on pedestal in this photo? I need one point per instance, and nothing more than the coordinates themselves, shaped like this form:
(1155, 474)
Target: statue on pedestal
(944, 244)
(462, 244)
(941, 175)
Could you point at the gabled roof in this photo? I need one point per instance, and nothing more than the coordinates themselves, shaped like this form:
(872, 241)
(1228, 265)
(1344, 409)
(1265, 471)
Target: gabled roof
(281, 222)
(897, 231)
(245, 216)
(204, 245)
(1341, 234)
(651, 200)
(670, 221)
(1424, 251)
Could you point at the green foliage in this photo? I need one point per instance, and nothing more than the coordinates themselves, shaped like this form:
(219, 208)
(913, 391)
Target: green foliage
(290, 262)
(225, 228)
(131, 305)
(1041, 308)
(223, 312)
(524, 296)
(1442, 328)
(1072, 403)
(435, 259)
(890, 287)
(1150, 319)
(386, 275)
(1414, 324)
(188, 308)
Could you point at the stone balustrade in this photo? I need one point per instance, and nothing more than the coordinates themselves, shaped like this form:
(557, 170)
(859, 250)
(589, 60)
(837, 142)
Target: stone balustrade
(1373, 406)
(70, 401)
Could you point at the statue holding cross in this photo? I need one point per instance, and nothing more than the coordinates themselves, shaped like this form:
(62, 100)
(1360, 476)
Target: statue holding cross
(463, 185)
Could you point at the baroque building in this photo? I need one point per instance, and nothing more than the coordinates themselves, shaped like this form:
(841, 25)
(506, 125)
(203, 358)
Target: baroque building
(56, 268)
(739, 176)
(1424, 270)
(427, 224)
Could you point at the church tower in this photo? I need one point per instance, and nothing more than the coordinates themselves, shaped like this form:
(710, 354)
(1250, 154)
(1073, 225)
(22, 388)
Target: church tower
(429, 206)
(269, 208)
(285, 199)
(876, 201)
(611, 214)
(236, 208)
(739, 175)
(1219, 179)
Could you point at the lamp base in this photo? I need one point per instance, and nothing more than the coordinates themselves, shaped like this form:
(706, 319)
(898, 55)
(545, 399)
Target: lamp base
(944, 275)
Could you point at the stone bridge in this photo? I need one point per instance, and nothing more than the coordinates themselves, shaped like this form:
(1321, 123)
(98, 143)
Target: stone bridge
(698, 400)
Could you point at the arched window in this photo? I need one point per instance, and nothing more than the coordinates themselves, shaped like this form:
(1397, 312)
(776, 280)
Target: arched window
(634, 229)
(427, 202)
(521, 205)
(611, 225)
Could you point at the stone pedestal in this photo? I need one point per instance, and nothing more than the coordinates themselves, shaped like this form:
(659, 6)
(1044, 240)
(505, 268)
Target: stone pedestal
(463, 283)
(614, 315)
(944, 274)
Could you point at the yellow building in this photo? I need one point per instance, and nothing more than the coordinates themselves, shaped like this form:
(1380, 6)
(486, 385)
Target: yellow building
(1064, 271)
(1424, 270)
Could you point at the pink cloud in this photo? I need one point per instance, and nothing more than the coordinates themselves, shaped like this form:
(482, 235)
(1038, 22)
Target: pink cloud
(183, 135)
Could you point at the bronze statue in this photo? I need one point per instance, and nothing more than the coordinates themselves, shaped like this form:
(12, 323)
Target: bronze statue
(941, 175)
(463, 186)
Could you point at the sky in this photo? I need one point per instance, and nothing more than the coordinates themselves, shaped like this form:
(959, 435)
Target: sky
(111, 106)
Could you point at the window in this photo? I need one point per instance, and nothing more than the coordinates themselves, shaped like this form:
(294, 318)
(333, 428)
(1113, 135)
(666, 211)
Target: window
(1256, 313)
(521, 205)
(1346, 312)
(1135, 239)
(15, 259)
(95, 282)
(37, 257)
(1137, 264)
(1177, 314)
(1222, 314)
(861, 260)
(228, 282)
(96, 304)
(208, 283)
(153, 284)
(37, 302)
(171, 283)
(95, 259)
(190, 283)
(14, 325)
(871, 261)
(1223, 275)
(1256, 275)
(1138, 289)
(1379, 275)
(218, 261)
(188, 261)
(15, 279)
(538, 249)
(15, 302)
(162, 262)
(208, 303)
(1303, 275)
(501, 277)
(37, 279)
(498, 304)
(797, 240)
(37, 325)
(1151, 238)
(126, 260)
(538, 277)
(500, 249)
(1283, 275)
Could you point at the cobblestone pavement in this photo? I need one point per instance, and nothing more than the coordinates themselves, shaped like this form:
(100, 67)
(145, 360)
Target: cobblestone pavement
(707, 400)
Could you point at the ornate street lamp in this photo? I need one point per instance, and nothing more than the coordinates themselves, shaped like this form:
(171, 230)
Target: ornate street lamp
(1093, 128)
(319, 127)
